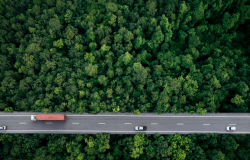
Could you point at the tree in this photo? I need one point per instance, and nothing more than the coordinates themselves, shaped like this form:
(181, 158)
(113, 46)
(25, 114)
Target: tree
(121, 21)
(92, 46)
(144, 57)
(229, 144)
(104, 49)
(112, 20)
(126, 58)
(157, 36)
(68, 16)
(91, 70)
(217, 154)
(201, 111)
(190, 87)
(119, 71)
(215, 82)
(184, 145)
(140, 74)
(55, 24)
(111, 7)
(183, 35)
(136, 111)
(164, 23)
(151, 6)
(194, 41)
(158, 70)
(199, 12)
(187, 61)
(103, 80)
(58, 43)
(102, 142)
(139, 42)
(183, 7)
(33, 48)
(116, 110)
(228, 20)
(32, 30)
(128, 36)
(110, 73)
(118, 38)
(242, 87)
(89, 57)
(91, 143)
(78, 47)
(8, 109)
(237, 100)
(168, 36)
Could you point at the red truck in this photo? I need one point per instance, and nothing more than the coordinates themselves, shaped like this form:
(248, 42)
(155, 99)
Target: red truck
(48, 117)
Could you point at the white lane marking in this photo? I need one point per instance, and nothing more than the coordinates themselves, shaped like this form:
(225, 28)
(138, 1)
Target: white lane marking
(206, 124)
(233, 124)
(180, 123)
(14, 115)
(49, 123)
(101, 123)
(154, 123)
(157, 116)
(21, 131)
(75, 123)
(127, 123)
(140, 116)
(22, 123)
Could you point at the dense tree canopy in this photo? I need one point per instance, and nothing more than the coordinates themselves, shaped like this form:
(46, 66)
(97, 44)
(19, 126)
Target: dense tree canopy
(115, 147)
(190, 56)
(124, 56)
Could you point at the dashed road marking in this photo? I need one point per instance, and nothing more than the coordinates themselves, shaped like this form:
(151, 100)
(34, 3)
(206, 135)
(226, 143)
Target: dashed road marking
(101, 123)
(22, 123)
(180, 123)
(233, 124)
(75, 123)
(206, 124)
(127, 123)
(154, 123)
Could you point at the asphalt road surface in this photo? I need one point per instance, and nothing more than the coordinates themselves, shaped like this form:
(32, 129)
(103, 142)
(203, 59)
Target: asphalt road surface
(124, 123)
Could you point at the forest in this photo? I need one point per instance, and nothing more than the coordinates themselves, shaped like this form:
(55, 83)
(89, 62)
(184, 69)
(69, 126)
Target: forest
(96, 56)
(116, 147)
(125, 56)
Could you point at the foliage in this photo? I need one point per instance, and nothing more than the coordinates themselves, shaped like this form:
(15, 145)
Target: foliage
(52, 51)
(138, 146)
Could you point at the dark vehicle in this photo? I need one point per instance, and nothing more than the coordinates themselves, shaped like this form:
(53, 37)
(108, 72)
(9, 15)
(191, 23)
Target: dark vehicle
(140, 128)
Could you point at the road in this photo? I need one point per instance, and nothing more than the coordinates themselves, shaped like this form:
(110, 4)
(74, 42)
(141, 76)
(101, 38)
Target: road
(124, 123)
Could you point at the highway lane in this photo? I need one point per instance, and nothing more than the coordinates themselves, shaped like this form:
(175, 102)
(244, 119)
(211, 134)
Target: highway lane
(124, 123)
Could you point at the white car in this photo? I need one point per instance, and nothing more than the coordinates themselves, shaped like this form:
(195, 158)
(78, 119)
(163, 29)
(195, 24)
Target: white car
(140, 128)
(231, 128)
(3, 127)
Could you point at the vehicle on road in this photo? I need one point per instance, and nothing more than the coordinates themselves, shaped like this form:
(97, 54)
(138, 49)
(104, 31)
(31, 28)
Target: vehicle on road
(3, 127)
(231, 128)
(140, 128)
(48, 117)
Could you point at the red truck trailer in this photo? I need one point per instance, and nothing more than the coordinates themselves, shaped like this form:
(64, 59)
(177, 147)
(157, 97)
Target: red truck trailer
(48, 117)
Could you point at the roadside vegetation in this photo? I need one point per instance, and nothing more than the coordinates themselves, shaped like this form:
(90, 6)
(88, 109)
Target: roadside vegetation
(115, 147)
